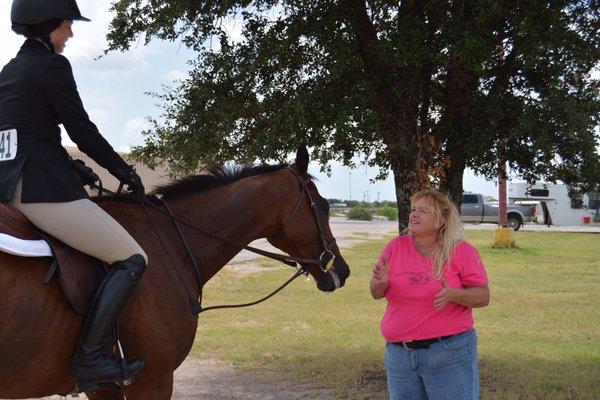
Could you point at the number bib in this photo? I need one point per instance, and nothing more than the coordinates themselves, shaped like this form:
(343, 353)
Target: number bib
(8, 145)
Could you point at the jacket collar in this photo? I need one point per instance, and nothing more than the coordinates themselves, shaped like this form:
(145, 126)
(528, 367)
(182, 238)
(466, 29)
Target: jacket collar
(34, 44)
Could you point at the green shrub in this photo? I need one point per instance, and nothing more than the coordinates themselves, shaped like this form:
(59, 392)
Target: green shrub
(389, 212)
(359, 214)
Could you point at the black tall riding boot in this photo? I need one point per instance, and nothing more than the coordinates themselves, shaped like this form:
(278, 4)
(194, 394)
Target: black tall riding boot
(91, 367)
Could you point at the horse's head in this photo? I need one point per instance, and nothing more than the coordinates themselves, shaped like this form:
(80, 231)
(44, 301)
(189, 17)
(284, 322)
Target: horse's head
(303, 228)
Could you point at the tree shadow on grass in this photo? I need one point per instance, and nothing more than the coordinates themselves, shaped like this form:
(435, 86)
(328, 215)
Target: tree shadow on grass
(519, 378)
(510, 378)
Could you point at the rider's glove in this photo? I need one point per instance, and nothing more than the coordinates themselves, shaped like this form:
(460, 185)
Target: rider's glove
(85, 174)
(133, 181)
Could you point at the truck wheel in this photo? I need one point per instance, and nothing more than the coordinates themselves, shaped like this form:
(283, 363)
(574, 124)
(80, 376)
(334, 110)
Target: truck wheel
(514, 222)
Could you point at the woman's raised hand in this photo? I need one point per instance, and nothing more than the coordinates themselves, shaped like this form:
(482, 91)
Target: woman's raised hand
(379, 280)
(380, 272)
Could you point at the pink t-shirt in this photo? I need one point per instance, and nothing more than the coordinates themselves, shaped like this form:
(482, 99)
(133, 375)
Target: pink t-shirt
(410, 314)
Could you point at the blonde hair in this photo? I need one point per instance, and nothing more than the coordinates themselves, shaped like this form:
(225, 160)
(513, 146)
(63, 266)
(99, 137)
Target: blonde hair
(450, 234)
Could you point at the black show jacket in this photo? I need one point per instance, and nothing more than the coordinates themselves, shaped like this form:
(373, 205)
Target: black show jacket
(37, 93)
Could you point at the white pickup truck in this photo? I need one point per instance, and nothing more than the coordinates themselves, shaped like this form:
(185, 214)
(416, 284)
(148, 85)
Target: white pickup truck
(475, 209)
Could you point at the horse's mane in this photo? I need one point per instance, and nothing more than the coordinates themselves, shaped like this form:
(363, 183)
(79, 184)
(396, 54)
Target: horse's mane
(213, 178)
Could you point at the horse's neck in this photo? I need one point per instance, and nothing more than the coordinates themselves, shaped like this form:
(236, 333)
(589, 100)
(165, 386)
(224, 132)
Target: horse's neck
(240, 212)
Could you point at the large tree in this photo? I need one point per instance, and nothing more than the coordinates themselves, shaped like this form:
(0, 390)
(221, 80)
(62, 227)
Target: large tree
(516, 85)
(537, 102)
(424, 88)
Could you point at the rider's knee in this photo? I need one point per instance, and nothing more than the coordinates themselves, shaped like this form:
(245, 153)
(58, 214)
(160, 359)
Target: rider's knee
(136, 264)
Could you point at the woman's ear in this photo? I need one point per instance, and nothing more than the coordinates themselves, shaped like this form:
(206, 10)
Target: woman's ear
(441, 223)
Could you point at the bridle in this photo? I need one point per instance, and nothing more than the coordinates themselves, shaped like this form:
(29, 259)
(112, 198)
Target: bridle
(327, 257)
(324, 262)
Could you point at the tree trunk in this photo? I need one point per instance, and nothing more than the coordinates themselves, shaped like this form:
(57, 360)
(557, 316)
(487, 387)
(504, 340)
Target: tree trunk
(453, 182)
(398, 116)
(461, 86)
(406, 184)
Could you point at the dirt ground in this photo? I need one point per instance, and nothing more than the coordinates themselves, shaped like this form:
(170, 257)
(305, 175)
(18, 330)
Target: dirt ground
(214, 380)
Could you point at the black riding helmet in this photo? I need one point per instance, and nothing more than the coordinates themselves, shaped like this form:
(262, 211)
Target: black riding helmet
(38, 18)
(31, 12)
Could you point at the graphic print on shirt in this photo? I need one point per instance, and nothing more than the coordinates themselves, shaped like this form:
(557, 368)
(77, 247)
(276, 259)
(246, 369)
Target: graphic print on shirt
(415, 278)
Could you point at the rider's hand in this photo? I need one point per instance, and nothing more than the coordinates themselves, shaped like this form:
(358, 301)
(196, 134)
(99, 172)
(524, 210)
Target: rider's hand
(135, 186)
(85, 174)
(133, 182)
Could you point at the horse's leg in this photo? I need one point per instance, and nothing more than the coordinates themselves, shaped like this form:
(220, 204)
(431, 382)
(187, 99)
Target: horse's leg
(159, 388)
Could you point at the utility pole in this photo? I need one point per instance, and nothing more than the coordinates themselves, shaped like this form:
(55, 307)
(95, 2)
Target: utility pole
(502, 216)
(502, 236)
(350, 185)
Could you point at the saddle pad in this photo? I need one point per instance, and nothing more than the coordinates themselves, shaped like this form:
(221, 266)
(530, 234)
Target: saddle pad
(24, 248)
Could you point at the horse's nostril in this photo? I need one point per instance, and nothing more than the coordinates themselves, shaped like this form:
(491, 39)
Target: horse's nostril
(342, 269)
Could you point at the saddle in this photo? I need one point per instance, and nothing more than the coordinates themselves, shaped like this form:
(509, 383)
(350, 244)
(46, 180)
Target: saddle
(79, 274)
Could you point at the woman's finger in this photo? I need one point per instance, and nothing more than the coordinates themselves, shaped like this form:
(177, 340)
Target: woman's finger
(439, 303)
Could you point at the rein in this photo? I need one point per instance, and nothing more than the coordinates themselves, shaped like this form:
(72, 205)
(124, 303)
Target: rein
(325, 260)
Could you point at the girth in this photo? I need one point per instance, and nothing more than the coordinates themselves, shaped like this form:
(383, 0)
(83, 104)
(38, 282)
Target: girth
(79, 274)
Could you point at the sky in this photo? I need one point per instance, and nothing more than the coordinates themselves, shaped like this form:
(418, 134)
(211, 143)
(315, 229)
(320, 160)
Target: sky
(113, 89)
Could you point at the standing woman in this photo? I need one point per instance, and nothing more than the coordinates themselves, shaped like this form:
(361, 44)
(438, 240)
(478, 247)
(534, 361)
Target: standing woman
(432, 280)
(37, 93)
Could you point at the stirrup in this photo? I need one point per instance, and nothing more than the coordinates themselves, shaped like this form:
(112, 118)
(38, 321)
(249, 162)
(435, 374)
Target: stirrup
(127, 377)
(122, 381)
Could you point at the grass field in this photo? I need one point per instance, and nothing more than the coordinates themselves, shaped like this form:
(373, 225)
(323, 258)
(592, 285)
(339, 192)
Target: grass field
(538, 339)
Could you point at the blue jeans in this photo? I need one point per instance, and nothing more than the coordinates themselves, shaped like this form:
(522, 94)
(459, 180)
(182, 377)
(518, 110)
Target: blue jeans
(446, 370)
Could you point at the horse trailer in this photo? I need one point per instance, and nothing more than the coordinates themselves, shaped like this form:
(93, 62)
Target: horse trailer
(556, 206)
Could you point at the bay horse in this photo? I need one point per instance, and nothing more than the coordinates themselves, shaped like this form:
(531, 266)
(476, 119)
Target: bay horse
(39, 330)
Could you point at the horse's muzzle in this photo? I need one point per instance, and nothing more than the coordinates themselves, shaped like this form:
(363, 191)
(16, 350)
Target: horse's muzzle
(327, 283)
(335, 277)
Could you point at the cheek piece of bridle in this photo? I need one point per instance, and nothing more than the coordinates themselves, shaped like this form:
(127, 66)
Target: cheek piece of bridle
(324, 262)
(327, 257)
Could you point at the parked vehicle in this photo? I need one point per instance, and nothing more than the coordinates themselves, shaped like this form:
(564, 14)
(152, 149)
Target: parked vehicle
(556, 206)
(475, 209)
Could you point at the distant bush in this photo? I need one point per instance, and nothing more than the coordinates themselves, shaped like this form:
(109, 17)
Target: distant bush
(359, 214)
(390, 213)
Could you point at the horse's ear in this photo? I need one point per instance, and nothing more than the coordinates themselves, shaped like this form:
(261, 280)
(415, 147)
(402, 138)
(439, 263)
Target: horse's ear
(302, 159)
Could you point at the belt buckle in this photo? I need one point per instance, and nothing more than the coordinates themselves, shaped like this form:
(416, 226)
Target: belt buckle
(405, 346)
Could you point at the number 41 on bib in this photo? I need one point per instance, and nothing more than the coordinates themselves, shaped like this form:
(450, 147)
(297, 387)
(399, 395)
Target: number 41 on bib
(8, 144)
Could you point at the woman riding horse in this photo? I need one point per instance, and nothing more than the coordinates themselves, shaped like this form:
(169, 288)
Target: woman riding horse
(37, 93)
